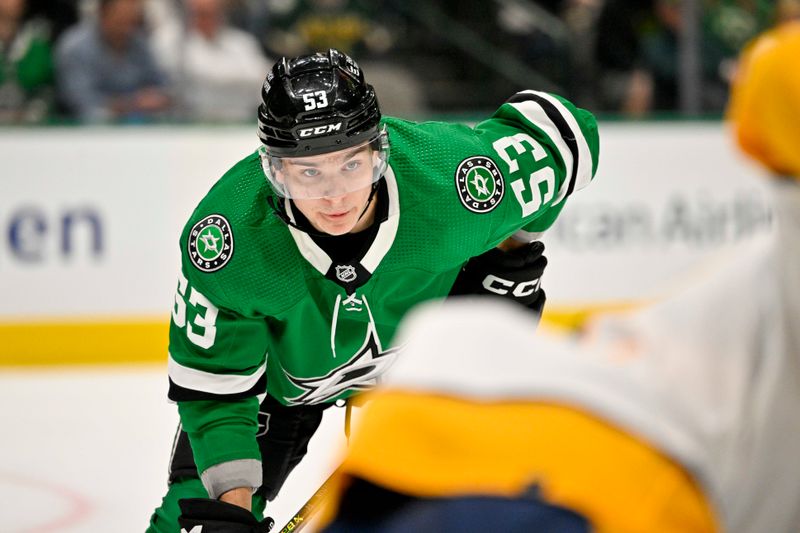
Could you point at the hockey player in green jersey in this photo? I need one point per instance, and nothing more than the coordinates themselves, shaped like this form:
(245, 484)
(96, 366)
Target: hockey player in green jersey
(302, 259)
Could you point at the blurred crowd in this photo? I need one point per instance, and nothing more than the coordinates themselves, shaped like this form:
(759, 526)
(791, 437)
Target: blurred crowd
(132, 61)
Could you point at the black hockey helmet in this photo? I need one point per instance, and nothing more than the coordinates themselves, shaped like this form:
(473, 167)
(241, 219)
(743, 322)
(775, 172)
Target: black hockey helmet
(313, 105)
(316, 103)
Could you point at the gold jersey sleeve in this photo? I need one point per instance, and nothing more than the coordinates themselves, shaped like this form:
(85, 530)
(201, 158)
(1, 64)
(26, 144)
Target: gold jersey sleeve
(765, 100)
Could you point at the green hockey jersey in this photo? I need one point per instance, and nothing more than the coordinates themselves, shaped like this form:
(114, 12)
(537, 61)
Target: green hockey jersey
(261, 307)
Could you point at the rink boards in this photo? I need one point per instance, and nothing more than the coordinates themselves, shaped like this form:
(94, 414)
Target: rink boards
(91, 217)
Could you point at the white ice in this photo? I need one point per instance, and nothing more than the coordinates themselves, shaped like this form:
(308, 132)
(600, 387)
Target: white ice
(86, 449)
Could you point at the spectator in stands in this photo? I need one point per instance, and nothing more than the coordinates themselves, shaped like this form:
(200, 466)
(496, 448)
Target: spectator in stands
(537, 35)
(727, 25)
(638, 49)
(625, 83)
(105, 68)
(362, 29)
(580, 19)
(60, 14)
(352, 26)
(251, 15)
(217, 70)
(26, 68)
(787, 10)
(159, 14)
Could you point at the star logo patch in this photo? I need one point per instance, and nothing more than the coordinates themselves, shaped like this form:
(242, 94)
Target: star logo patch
(479, 184)
(211, 243)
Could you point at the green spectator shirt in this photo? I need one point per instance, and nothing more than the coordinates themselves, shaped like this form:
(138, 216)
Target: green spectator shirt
(26, 66)
(260, 306)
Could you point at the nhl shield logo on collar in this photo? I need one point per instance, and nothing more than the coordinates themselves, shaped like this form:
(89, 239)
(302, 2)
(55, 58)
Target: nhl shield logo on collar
(211, 243)
(346, 273)
(479, 184)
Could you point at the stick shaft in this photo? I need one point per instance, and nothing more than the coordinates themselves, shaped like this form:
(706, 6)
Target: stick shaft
(308, 510)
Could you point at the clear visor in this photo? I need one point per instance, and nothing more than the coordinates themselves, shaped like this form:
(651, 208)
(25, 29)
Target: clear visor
(327, 175)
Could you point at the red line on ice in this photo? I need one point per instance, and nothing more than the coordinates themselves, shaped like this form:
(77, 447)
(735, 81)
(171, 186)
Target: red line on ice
(80, 506)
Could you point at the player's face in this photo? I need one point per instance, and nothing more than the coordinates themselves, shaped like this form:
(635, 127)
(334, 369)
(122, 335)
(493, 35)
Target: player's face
(328, 175)
(333, 189)
(338, 215)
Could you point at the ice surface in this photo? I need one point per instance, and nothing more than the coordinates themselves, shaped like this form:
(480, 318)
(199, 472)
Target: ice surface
(86, 449)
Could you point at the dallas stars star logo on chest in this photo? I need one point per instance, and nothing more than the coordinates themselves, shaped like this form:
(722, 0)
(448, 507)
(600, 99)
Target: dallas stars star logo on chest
(361, 372)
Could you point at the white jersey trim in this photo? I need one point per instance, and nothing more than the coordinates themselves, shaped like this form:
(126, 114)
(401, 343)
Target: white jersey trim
(534, 112)
(198, 380)
(307, 247)
(585, 163)
(527, 236)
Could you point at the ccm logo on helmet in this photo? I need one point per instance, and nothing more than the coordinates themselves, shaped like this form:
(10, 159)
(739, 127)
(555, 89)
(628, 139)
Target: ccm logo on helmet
(503, 286)
(319, 130)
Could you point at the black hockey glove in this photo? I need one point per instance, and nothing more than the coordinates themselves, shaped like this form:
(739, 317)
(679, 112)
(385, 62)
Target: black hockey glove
(515, 274)
(215, 516)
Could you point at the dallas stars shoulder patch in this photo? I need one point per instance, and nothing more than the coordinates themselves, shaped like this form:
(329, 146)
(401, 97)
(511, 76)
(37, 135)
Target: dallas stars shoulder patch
(479, 184)
(211, 243)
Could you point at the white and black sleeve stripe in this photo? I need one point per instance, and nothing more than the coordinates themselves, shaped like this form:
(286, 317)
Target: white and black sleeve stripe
(558, 123)
(186, 384)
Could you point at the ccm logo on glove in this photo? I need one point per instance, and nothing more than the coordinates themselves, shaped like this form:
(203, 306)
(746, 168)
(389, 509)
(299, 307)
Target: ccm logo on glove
(515, 274)
(502, 286)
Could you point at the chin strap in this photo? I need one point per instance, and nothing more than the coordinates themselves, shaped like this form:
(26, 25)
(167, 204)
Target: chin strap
(280, 212)
(369, 200)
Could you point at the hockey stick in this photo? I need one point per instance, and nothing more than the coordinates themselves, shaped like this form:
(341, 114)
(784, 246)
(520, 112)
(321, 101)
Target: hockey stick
(309, 509)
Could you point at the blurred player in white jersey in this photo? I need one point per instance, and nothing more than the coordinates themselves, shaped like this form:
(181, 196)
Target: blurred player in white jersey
(683, 417)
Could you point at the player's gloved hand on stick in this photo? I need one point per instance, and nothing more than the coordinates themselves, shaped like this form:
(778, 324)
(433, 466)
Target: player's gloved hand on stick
(514, 274)
(215, 516)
